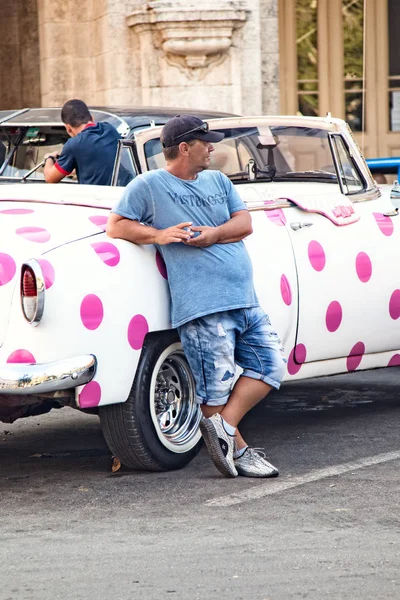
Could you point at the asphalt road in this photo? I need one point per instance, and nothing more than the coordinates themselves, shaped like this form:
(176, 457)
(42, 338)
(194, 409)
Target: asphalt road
(327, 527)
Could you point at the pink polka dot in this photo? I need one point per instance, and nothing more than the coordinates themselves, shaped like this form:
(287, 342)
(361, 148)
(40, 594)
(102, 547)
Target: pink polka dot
(21, 356)
(92, 311)
(16, 211)
(137, 330)
(286, 292)
(363, 267)
(333, 316)
(385, 224)
(316, 255)
(99, 220)
(277, 216)
(7, 268)
(299, 353)
(394, 361)
(90, 395)
(355, 356)
(34, 234)
(48, 272)
(108, 253)
(394, 305)
(161, 265)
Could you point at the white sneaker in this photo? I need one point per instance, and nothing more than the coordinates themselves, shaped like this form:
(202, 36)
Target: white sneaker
(253, 463)
(219, 444)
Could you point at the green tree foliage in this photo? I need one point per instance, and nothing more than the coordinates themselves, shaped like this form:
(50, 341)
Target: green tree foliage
(353, 22)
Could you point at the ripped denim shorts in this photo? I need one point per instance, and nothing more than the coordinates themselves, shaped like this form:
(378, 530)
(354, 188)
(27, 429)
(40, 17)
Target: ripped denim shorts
(216, 343)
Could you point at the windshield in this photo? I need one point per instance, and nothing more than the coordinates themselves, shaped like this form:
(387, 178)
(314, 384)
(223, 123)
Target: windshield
(23, 148)
(267, 153)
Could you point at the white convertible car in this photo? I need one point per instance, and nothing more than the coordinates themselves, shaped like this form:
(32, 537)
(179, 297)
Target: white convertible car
(84, 320)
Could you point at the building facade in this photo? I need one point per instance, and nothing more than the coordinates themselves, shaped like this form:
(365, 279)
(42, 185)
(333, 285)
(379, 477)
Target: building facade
(242, 56)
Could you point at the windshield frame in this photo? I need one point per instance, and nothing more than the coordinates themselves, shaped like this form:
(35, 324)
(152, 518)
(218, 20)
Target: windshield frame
(276, 153)
(328, 124)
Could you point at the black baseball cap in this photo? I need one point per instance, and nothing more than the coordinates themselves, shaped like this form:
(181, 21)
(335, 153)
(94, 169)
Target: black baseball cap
(184, 128)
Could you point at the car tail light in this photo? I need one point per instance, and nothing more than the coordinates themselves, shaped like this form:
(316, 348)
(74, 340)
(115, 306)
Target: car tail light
(32, 291)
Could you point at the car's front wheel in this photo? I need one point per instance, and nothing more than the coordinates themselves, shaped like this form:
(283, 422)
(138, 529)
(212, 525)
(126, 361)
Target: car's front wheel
(156, 429)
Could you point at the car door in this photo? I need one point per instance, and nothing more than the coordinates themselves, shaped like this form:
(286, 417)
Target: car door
(348, 271)
(274, 268)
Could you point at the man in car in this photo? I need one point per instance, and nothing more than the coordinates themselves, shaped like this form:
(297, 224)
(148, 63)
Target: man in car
(90, 151)
(198, 221)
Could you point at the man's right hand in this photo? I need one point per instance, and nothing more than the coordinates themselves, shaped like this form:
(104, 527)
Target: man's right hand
(51, 173)
(174, 234)
(54, 155)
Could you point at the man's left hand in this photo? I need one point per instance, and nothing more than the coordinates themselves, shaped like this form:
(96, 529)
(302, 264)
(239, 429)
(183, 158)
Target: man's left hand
(207, 236)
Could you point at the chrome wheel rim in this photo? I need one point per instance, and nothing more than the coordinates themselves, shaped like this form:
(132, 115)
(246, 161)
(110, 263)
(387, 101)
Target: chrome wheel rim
(174, 410)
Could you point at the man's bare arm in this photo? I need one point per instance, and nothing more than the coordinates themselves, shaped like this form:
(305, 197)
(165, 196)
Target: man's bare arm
(238, 227)
(133, 231)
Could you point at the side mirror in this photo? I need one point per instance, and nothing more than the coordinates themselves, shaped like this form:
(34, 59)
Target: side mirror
(395, 195)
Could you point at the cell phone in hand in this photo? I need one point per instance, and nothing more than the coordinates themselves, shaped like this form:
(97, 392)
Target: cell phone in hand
(195, 233)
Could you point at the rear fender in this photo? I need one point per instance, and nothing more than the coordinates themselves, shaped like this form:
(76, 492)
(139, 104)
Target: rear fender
(102, 297)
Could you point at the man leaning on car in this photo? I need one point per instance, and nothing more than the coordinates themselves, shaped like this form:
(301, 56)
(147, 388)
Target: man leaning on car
(218, 316)
(90, 151)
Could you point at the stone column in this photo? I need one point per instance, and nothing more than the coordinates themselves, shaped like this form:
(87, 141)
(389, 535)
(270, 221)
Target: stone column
(86, 52)
(19, 50)
(250, 57)
(269, 41)
(66, 58)
(117, 71)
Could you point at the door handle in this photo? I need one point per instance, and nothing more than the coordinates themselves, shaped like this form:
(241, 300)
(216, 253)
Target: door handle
(300, 225)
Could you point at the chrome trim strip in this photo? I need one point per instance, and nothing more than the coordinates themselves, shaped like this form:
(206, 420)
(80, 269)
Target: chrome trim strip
(370, 194)
(269, 204)
(25, 379)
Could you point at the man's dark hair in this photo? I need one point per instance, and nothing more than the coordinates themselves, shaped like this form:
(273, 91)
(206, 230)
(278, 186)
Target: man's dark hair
(173, 151)
(75, 113)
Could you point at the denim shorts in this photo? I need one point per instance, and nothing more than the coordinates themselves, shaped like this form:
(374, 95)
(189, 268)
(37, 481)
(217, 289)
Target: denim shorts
(216, 343)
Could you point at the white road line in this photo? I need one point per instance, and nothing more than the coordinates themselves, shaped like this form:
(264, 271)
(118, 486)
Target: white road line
(275, 486)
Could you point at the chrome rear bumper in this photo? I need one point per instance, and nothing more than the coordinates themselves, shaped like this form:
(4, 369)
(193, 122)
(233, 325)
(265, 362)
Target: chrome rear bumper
(36, 379)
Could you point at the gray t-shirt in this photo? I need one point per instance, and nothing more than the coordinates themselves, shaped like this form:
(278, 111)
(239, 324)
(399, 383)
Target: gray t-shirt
(202, 280)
